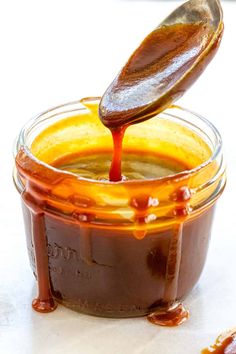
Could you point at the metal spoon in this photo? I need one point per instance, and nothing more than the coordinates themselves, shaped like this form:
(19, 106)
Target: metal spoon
(165, 65)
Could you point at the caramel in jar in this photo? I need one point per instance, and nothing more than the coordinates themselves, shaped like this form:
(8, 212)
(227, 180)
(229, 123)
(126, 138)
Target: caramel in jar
(117, 249)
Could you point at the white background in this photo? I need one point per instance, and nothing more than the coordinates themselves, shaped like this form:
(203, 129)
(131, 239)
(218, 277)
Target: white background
(52, 52)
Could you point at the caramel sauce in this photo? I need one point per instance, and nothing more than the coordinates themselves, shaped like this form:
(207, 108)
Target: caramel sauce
(72, 246)
(135, 165)
(44, 302)
(158, 73)
(148, 83)
(169, 316)
(225, 344)
(115, 174)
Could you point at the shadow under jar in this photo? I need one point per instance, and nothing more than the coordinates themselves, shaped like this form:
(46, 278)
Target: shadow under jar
(116, 249)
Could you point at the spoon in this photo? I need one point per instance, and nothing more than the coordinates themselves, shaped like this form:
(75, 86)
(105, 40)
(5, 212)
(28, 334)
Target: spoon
(165, 65)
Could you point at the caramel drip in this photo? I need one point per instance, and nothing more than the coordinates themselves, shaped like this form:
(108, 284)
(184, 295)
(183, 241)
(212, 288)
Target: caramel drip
(140, 204)
(44, 302)
(115, 169)
(140, 229)
(173, 313)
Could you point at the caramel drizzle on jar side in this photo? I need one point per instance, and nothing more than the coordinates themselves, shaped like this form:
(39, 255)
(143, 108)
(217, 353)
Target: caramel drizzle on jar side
(173, 313)
(44, 302)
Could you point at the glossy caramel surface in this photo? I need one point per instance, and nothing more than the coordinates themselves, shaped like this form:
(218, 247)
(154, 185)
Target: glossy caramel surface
(159, 72)
(135, 166)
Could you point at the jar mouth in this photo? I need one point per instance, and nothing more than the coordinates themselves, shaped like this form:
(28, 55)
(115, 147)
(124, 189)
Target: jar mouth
(21, 142)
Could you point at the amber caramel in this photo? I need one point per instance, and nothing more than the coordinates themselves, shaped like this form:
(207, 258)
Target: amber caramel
(225, 344)
(117, 249)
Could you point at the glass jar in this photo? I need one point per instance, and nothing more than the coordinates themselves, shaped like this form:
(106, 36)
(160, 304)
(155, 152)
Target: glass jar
(116, 249)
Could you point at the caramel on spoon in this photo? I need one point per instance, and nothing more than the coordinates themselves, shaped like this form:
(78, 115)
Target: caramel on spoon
(165, 65)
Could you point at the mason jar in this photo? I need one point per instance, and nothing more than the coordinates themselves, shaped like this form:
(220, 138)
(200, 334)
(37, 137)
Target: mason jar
(116, 249)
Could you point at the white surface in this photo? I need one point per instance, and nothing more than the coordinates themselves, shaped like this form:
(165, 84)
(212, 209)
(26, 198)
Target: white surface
(58, 51)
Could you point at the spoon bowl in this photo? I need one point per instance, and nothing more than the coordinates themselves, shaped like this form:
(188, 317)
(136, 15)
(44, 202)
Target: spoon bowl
(165, 65)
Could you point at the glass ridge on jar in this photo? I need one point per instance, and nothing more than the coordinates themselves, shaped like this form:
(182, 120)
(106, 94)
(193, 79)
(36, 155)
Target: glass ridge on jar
(117, 249)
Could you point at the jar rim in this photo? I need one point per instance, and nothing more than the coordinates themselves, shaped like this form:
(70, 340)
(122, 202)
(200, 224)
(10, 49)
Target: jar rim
(21, 142)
